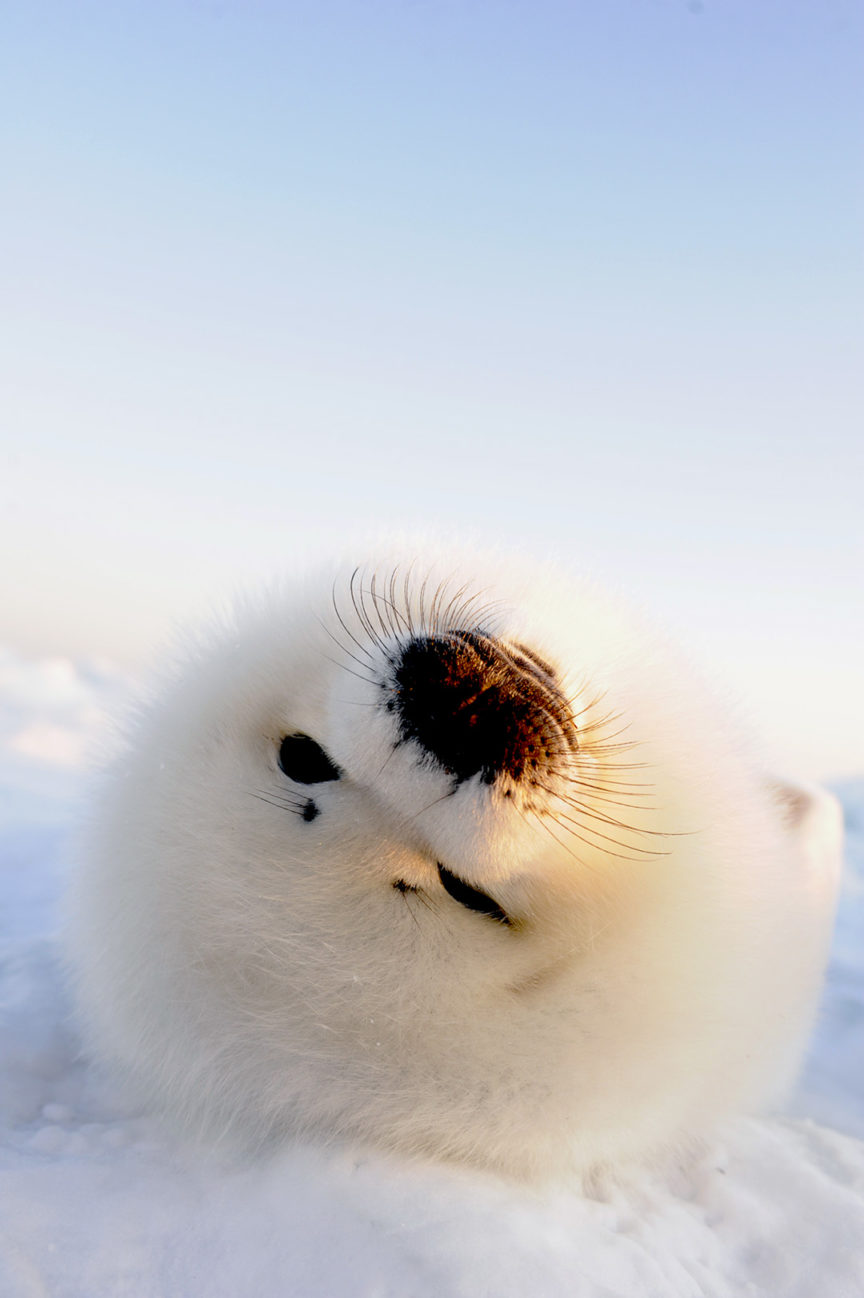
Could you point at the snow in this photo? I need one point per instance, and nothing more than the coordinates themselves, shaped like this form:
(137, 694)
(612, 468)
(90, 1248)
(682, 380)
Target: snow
(98, 1200)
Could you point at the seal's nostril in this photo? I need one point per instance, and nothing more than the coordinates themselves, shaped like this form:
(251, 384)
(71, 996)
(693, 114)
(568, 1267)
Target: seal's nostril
(478, 708)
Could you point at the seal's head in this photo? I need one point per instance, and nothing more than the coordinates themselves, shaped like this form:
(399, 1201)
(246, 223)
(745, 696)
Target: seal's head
(451, 861)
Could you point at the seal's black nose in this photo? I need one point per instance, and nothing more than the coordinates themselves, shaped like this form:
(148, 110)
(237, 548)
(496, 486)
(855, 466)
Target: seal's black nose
(479, 706)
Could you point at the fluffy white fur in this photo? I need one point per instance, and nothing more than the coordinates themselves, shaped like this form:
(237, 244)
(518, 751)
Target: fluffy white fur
(261, 974)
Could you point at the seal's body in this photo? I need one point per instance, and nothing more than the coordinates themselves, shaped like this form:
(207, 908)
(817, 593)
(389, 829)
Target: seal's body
(457, 864)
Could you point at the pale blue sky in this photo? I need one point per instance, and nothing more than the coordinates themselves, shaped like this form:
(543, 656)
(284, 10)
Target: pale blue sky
(586, 277)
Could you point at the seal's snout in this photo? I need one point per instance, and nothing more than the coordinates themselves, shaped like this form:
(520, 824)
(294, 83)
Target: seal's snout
(479, 706)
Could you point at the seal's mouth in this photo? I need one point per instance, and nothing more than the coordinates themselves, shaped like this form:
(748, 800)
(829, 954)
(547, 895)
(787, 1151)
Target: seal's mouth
(472, 898)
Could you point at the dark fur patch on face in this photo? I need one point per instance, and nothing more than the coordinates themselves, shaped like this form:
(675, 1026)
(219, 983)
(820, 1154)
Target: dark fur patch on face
(479, 706)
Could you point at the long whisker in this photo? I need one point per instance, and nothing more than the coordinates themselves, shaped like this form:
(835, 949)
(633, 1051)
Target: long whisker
(433, 803)
(377, 601)
(406, 598)
(363, 649)
(361, 610)
(541, 820)
(340, 645)
(639, 851)
(295, 807)
(598, 792)
(389, 605)
(583, 809)
(392, 609)
(606, 838)
(370, 680)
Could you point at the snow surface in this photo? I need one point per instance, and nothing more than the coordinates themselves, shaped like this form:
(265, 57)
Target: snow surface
(97, 1200)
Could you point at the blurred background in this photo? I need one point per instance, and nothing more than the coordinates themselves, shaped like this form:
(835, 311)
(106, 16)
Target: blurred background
(584, 278)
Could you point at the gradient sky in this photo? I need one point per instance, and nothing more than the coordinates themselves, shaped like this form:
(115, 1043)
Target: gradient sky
(582, 277)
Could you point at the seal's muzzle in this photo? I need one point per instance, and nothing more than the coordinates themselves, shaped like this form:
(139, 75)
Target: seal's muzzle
(481, 707)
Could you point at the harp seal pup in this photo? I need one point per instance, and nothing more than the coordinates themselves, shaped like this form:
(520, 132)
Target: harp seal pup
(453, 857)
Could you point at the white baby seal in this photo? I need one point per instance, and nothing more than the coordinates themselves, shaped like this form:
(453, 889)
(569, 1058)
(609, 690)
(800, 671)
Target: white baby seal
(457, 860)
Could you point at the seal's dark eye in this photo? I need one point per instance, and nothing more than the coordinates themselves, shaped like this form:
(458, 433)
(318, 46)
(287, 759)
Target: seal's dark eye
(305, 761)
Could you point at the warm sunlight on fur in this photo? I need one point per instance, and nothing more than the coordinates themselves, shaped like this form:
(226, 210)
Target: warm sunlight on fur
(458, 858)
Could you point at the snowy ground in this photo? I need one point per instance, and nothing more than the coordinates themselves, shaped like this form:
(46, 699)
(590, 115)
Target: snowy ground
(96, 1201)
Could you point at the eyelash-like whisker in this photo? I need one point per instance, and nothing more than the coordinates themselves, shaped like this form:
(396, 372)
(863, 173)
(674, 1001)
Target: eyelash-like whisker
(286, 803)
(359, 661)
(355, 589)
(602, 789)
(636, 848)
(370, 680)
(363, 648)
